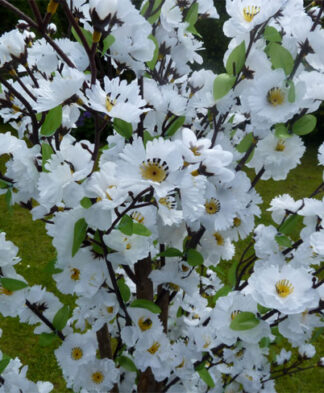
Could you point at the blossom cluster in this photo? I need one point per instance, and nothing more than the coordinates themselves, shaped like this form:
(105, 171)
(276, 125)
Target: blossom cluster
(145, 216)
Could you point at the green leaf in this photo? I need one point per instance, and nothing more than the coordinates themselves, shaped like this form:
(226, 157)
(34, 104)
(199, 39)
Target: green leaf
(147, 304)
(47, 151)
(176, 124)
(318, 332)
(264, 342)
(5, 184)
(50, 268)
(291, 92)
(124, 290)
(170, 252)
(147, 137)
(107, 42)
(4, 363)
(304, 125)
(46, 339)
(271, 34)
(236, 59)
(8, 198)
(52, 122)
(151, 63)
(222, 292)
(126, 363)
(156, 12)
(194, 258)
(262, 310)
(245, 143)
(280, 57)
(61, 317)
(222, 85)
(290, 224)
(98, 249)
(206, 377)
(80, 231)
(281, 131)
(140, 229)
(244, 321)
(85, 203)
(191, 18)
(231, 274)
(283, 240)
(123, 128)
(126, 225)
(12, 284)
(86, 33)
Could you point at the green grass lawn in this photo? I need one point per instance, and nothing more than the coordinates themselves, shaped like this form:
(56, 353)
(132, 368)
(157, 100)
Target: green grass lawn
(36, 251)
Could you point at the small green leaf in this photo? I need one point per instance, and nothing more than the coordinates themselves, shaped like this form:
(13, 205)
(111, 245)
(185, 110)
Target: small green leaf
(222, 85)
(5, 184)
(262, 310)
(236, 59)
(52, 122)
(46, 339)
(85, 203)
(126, 225)
(280, 57)
(281, 131)
(61, 317)
(174, 127)
(107, 42)
(271, 34)
(231, 274)
(47, 151)
(8, 198)
(194, 258)
(140, 229)
(147, 137)
(123, 128)
(4, 363)
(264, 342)
(191, 18)
(283, 240)
(222, 292)
(304, 125)
(170, 252)
(50, 268)
(156, 12)
(126, 363)
(318, 332)
(244, 321)
(96, 248)
(86, 33)
(12, 284)
(80, 231)
(206, 377)
(291, 92)
(245, 143)
(151, 63)
(290, 224)
(147, 304)
(124, 290)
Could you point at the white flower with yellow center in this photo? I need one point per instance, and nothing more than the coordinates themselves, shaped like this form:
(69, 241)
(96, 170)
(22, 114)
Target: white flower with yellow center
(246, 14)
(287, 290)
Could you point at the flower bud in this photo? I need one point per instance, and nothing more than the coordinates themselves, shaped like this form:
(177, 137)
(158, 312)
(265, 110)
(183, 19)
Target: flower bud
(103, 8)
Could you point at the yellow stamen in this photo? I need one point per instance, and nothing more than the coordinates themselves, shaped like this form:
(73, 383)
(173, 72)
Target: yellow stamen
(250, 11)
(144, 324)
(97, 377)
(137, 216)
(128, 246)
(96, 35)
(76, 353)
(275, 96)
(234, 314)
(280, 146)
(219, 239)
(284, 288)
(75, 274)
(212, 206)
(109, 104)
(237, 222)
(110, 309)
(154, 348)
(195, 150)
(4, 291)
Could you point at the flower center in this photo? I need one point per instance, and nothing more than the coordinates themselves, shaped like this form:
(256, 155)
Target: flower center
(109, 104)
(275, 96)
(212, 206)
(76, 353)
(219, 239)
(137, 216)
(284, 288)
(237, 222)
(4, 291)
(145, 324)
(97, 377)
(234, 314)
(154, 170)
(75, 274)
(195, 150)
(250, 11)
(154, 348)
(280, 146)
(110, 309)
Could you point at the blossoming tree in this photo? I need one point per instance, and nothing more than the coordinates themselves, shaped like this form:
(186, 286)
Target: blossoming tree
(145, 216)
